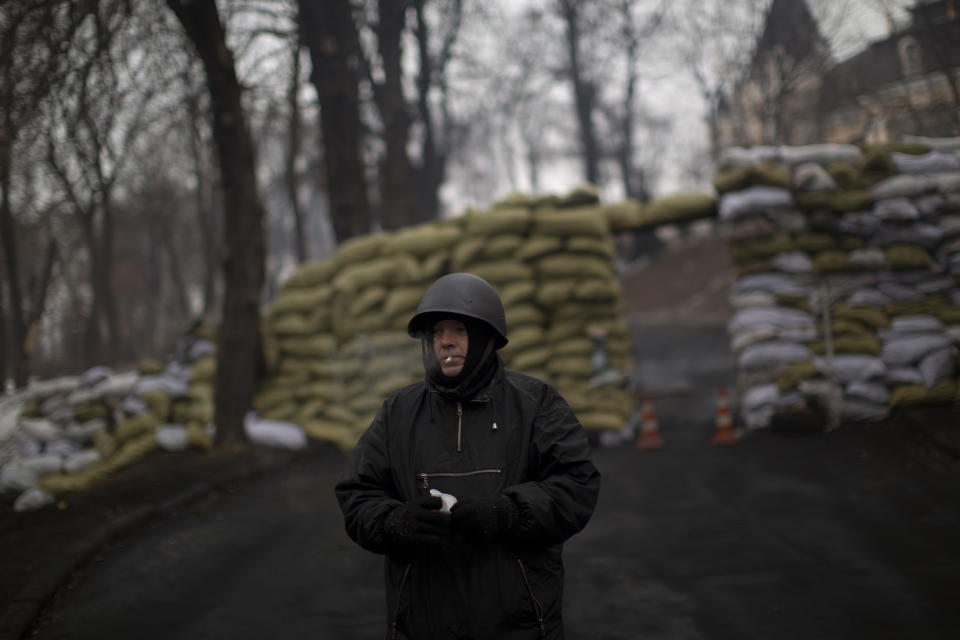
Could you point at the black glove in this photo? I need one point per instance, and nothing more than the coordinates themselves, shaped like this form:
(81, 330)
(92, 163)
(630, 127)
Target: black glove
(419, 521)
(483, 519)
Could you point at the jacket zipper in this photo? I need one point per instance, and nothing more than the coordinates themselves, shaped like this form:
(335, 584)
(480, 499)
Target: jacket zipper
(459, 425)
(452, 474)
(396, 614)
(537, 609)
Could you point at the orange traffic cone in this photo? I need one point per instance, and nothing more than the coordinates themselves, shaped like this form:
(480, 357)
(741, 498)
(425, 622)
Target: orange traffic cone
(649, 437)
(724, 433)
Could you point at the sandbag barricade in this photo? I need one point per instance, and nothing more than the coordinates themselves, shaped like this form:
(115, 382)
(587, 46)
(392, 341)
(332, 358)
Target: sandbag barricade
(335, 336)
(847, 264)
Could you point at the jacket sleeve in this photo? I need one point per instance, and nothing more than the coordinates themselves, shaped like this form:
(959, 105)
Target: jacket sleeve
(559, 499)
(366, 491)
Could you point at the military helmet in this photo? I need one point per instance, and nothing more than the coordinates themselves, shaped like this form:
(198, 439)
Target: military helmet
(461, 294)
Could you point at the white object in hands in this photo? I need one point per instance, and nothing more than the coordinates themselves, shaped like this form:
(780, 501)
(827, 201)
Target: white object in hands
(448, 500)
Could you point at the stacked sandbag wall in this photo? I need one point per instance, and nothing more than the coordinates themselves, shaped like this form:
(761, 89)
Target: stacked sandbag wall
(847, 264)
(335, 336)
(74, 431)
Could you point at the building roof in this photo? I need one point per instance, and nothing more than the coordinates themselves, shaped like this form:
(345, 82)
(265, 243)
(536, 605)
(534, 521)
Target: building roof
(790, 24)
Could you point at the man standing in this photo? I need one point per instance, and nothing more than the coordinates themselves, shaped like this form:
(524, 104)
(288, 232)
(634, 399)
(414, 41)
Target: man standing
(505, 447)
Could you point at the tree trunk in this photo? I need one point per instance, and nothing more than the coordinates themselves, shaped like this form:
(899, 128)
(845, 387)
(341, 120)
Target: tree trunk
(294, 145)
(330, 33)
(398, 185)
(434, 168)
(583, 93)
(17, 324)
(238, 350)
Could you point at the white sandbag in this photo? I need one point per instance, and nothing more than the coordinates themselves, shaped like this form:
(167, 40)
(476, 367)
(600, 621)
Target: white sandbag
(172, 437)
(821, 153)
(15, 476)
(947, 183)
(741, 157)
(936, 366)
(33, 499)
(62, 448)
(133, 405)
(82, 395)
(868, 390)
(274, 433)
(83, 431)
(936, 284)
(903, 375)
(94, 376)
(907, 349)
(932, 162)
(171, 384)
(43, 464)
(793, 262)
(753, 200)
(869, 297)
(200, 349)
(851, 367)
(924, 235)
(903, 186)
(872, 258)
(81, 460)
(10, 407)
(776, 283)
(41, 429)
(117, 385)
(812, 177)
(896, 209)
(40, 389)
(771, 354)
(916, 323)
(751, 299)
(930, 204)
(743, 339)
(777, 317)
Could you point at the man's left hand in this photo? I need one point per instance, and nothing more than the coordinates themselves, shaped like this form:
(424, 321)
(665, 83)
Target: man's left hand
(483, 519)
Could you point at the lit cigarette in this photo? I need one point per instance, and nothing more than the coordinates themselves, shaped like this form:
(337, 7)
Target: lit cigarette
(448, 360)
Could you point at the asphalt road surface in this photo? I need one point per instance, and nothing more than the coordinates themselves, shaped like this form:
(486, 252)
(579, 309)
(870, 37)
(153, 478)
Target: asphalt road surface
(830, 536)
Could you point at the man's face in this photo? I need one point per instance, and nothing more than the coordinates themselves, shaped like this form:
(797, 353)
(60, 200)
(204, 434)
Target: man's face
(450, 345)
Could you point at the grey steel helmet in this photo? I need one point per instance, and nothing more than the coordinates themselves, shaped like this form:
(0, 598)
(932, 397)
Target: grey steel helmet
(462, 294)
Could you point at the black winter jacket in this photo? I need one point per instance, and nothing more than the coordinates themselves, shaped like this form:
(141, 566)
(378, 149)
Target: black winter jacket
(517, 437)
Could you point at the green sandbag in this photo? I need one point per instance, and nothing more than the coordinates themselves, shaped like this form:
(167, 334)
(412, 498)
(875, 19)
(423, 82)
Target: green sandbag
(520, 291)
(679, 207)
(522, 314)
(911, 148)
(423, 240)
(599, 420)
(158, 402)
(525, 337)
(870, 316)
(849, 343)
(435, 265)
(877, 165)
(329, 431)
(403, 300)
(497, 221)
(203, 369)
(398, 269)
(576, 346)
(467, 252)
(602, 247)
(309, 410)
(765, 247)
(597, 290)
(844, 201)
(270, 395)
(834, 262)
(570, 366)
(790, 375)
(501, 246)
(516, 200)
(501, 272)
(907, 256)
(586, 221)
(944, 391)
(329, 390)
(538, 246)
(846, 176)
(555, 291)
(364, 403)
(293, 324)
(301, 300)
(387, 385)
(136, 425)
(583, 195)
(310, 275)
(361, 249)
(562, 330)
(320, 346)
(813, 242)
(762, 174)
(573, 266)
(530, 359)
(623, 216)
(104, 443)
(368, 299)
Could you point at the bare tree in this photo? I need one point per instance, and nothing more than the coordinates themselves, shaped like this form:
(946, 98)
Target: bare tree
(330, 33)
(238, 352)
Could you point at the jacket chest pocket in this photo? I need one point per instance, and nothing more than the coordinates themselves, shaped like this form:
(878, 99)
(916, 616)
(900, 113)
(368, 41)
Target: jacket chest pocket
(473, 482)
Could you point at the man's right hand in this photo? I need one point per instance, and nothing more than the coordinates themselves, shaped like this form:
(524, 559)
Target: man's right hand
(419, 521)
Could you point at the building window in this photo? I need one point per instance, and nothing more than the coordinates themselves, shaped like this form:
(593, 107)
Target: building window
(909, 56)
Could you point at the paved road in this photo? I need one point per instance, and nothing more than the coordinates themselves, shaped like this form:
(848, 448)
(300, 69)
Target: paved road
(837, 536)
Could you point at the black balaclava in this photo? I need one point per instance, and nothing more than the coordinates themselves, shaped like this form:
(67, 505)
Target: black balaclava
(478, 366)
